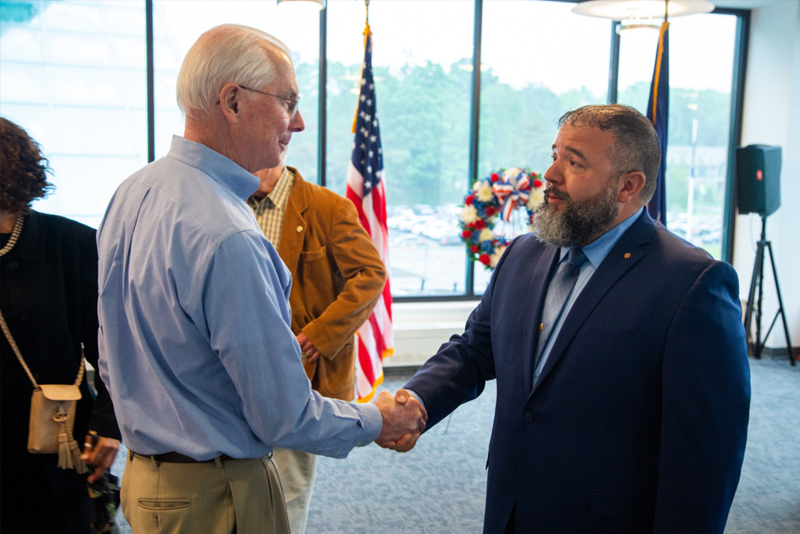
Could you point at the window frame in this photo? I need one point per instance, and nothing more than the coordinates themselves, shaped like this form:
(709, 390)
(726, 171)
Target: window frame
(734, 136)
(735, 125)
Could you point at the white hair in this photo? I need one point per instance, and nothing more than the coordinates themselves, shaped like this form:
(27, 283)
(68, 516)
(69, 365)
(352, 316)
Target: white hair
(225, 54)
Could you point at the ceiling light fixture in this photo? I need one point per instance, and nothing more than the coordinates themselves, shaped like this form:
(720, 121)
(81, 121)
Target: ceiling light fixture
(640, 13)
(320, 3)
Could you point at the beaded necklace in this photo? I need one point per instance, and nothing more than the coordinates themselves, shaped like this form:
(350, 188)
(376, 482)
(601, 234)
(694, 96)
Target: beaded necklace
(14, 235)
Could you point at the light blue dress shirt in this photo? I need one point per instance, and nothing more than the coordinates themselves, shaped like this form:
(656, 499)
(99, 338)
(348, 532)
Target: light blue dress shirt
(195, 340)
(596, 252)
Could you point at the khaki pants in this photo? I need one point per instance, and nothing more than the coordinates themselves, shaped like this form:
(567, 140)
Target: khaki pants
(298, 470)
(221, 497)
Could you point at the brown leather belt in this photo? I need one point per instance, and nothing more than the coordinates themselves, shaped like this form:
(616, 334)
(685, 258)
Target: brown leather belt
(176, 458)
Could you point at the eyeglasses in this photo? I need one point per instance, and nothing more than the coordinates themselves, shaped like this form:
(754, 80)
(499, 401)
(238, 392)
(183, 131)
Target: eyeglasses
(291, 104)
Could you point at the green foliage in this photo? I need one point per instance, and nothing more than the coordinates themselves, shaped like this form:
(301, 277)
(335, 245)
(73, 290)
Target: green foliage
(636, 95)
(518, 126)
(304, 146)
(711, 109)
(678, 187)
(424, 113)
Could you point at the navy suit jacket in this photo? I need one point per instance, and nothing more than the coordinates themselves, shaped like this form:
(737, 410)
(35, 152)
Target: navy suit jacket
(638, 421)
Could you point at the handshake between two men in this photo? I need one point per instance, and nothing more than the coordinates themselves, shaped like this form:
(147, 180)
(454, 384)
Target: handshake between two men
(404, 420)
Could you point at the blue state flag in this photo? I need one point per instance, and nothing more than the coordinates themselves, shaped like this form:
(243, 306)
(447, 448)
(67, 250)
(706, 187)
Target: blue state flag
(658, 113)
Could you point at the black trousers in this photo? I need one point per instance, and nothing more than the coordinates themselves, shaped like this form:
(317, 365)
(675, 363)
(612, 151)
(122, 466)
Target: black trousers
(38, 496)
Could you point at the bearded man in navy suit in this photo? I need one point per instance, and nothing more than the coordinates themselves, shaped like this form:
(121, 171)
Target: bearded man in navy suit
(628, 411)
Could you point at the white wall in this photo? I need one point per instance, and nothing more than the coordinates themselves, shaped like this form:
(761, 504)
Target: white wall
(772, 117)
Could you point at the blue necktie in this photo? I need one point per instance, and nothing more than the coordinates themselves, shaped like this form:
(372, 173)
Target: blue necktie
(557, 296)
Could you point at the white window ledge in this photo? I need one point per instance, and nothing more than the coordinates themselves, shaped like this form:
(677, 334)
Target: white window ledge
(421, 327)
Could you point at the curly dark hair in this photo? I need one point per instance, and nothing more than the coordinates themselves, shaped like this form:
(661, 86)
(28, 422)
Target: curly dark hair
(23, 169)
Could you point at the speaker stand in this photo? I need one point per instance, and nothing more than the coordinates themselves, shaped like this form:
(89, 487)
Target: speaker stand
(758, 281)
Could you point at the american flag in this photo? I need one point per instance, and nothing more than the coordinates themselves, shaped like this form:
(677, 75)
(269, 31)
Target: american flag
(365, 187)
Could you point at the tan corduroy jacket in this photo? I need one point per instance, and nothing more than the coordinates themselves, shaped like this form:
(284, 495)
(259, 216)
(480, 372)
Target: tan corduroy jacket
(337, 277)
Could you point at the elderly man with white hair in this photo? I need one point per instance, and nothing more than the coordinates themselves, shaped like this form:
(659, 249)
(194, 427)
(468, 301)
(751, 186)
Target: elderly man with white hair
(196, 345)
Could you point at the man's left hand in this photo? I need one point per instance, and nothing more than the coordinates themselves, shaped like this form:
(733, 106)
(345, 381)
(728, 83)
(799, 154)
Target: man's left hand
(309, 350)
(101, 455)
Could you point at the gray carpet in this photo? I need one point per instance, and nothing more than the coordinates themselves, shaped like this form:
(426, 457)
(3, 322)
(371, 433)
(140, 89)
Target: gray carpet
(439, 486)
(768, 497)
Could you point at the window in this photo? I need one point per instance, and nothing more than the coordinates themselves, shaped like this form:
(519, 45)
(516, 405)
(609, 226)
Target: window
(73, 76)
(527, 84)
(701, 78)
(423, 102)
(177, 25)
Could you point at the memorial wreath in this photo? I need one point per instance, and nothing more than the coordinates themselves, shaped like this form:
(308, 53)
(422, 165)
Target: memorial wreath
(499, 194)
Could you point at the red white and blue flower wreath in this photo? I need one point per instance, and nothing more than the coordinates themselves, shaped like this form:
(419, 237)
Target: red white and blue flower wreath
(501, 193)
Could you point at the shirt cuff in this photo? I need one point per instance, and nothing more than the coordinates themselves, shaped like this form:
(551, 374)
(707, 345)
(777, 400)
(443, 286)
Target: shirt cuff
(373, 424)
(411, 392)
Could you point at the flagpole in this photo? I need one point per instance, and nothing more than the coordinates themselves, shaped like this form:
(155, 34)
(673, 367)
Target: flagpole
(366, 189)
(367, 34)
(367, 30)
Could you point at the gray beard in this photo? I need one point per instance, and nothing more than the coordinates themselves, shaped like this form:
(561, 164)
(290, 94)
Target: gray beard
(579, 222)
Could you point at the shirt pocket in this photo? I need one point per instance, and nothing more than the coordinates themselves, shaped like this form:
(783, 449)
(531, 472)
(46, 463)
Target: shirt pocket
(312, 255)
(314, 284)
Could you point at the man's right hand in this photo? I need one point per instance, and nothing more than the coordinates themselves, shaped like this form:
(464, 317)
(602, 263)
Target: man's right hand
(403, 422)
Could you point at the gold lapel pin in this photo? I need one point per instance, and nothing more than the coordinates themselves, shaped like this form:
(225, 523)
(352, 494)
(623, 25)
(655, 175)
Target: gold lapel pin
(300, 229)
(541, 326)
(627, 255)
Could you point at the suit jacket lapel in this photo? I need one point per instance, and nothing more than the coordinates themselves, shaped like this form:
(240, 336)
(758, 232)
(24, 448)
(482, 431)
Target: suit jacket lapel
(294, 225)
(624, 255)
(540, 279)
